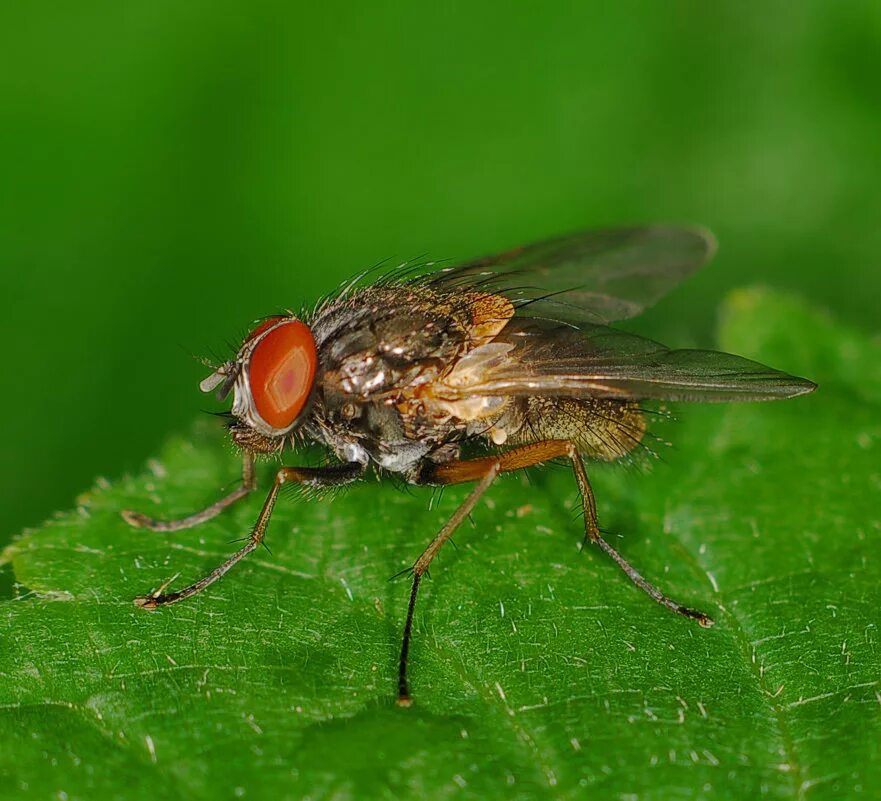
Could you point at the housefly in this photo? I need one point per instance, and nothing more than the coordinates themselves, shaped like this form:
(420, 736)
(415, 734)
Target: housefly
(512, 352)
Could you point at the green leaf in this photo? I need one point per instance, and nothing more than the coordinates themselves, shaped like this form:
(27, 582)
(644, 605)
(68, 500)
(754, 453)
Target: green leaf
(537, 671)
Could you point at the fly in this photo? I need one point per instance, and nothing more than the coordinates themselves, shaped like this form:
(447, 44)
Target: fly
(512, 352)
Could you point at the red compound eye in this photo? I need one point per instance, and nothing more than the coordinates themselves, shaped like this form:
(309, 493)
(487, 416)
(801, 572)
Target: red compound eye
(267, 323)
(281, 372)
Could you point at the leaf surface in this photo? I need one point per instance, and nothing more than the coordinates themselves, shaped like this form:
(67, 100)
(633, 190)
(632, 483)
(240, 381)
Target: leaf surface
(537, 671)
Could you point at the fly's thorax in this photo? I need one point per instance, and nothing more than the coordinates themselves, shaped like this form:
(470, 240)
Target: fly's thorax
(383, 339)
(385, 353)
(450, 405)
(373, 431)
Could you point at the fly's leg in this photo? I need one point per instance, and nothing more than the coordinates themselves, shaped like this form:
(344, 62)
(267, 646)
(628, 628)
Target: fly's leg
(592, 533)
(484, 471)
(335, 475)
(249, 484)
(487, 475)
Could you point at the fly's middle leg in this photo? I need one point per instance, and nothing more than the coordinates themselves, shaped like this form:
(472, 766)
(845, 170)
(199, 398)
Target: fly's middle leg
(487, 475)
(484, 471)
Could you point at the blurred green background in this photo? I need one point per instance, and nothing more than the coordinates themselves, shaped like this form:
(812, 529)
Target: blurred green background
(171, 171)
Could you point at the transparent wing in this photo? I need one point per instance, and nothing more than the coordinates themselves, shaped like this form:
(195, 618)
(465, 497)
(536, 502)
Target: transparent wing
(532, 357)
(592, 276)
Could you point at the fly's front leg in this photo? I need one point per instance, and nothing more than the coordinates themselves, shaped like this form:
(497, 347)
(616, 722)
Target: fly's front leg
(311, 476)
(249, 484)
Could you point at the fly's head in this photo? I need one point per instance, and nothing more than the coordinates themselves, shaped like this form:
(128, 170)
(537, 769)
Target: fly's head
(271, 378)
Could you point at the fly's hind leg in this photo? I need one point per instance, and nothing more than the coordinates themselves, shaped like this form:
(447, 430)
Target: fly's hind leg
(592, 533)
(484, 471)
(249, 484)
(331, 476)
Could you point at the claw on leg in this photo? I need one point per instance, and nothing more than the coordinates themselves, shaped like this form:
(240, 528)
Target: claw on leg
(152, 601)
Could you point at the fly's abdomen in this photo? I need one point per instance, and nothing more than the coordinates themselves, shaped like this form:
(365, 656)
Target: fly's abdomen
(600, 428)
